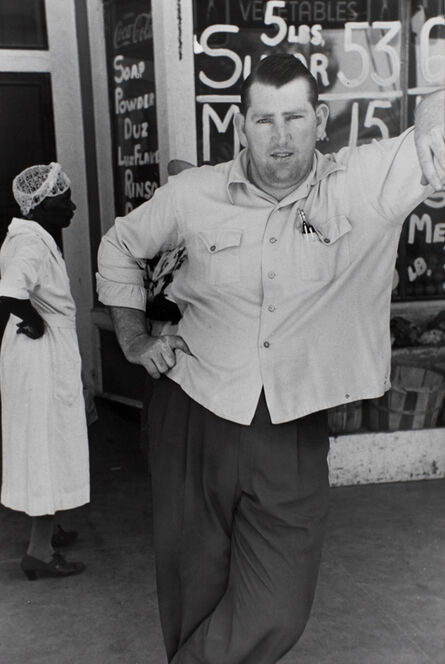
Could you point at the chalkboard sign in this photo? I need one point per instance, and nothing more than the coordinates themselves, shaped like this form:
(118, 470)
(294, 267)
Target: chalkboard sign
(354, 54)
(131, 83)
(420, 269)
(362, 53)
(421, 262)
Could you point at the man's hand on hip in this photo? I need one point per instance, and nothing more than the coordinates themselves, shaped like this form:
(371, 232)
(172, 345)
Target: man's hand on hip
(156, 354)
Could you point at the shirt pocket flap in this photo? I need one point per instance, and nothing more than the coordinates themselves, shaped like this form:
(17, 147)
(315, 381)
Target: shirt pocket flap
(333, 229)
(216, 240)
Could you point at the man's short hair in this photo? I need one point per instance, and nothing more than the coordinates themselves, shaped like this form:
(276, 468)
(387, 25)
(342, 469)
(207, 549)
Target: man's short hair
(278, 70)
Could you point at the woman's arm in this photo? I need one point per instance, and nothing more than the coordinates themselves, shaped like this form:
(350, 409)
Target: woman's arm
(32, 324)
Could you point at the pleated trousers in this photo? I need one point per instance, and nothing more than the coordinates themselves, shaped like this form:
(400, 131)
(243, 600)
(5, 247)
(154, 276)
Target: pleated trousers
(239, 520)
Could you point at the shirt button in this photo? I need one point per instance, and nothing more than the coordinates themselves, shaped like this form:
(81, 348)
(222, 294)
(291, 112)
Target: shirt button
(213, 247)
(271, 275)
(326, 240)
(271, 307)
(272, 240)
(266, 344)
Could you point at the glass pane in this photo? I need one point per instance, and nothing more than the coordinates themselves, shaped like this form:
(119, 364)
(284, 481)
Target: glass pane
(131, 84)
(23, 24)
(356, 63)
(421, 260)
(27, 136)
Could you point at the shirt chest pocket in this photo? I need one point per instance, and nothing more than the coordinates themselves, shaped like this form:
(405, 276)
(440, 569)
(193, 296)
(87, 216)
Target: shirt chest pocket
(219, 255)
(325, 254)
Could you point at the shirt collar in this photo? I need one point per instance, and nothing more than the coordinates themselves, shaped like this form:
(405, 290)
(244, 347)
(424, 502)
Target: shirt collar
(26, 227)
(322, 166)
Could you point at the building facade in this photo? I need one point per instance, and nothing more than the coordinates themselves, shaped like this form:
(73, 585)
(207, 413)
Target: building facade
(114, 89)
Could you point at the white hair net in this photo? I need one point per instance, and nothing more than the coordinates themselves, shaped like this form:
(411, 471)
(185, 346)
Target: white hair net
(38, 182)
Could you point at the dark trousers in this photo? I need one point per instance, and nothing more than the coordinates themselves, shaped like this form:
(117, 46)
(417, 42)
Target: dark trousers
(239, 521)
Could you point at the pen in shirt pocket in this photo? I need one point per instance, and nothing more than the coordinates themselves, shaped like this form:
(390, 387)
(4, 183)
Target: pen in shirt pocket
(307, 230)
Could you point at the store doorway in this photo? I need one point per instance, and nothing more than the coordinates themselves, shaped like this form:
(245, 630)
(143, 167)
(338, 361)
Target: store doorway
(26, 136)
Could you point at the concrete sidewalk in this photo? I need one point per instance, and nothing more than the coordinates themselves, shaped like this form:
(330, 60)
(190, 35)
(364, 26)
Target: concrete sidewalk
(380, 599)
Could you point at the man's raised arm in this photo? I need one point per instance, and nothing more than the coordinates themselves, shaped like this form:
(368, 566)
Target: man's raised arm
(430, 138)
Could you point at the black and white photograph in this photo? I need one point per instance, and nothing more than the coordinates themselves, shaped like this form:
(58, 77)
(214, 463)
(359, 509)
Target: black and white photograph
(222, 331)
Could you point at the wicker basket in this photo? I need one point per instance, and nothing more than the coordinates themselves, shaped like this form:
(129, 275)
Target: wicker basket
(413, 402)
(346, 418)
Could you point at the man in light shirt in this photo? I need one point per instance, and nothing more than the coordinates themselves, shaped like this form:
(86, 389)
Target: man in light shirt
(285, 298)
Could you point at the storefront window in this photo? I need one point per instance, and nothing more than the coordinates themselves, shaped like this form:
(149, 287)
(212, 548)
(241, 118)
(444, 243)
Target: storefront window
(23, 24)
(26, 119)
(372, 61)
(421, 262)
(131, 84)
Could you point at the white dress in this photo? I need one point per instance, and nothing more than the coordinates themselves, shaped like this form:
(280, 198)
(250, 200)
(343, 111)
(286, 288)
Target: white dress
(45, 443)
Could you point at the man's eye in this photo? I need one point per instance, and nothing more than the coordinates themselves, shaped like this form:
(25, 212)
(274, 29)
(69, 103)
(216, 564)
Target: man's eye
(263, 121)
(295, 117)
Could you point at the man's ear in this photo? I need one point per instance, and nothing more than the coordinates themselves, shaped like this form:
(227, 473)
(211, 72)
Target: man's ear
(322, 113)
(240, 123)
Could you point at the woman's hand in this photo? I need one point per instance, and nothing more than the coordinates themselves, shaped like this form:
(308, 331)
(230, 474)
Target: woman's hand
(33, 329)
(32, 324)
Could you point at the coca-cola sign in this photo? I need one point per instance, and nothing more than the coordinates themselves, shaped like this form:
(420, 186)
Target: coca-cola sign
(137, 30)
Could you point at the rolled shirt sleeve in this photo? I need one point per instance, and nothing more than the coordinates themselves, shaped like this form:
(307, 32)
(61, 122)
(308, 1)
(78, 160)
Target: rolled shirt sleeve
(140, 235)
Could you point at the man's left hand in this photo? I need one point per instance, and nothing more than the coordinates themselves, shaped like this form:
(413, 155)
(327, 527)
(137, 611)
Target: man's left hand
(430, 138)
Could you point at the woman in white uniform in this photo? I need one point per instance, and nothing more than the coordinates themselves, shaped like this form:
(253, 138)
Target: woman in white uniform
(45, 443)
